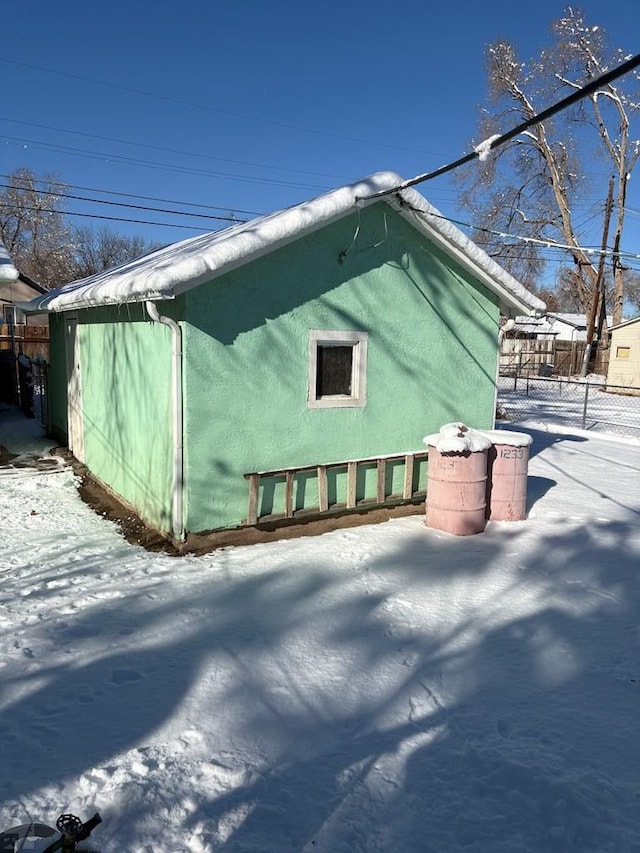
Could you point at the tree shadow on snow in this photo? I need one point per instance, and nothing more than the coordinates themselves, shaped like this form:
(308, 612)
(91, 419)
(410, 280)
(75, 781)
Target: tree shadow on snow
(514, 735)
(394, 702)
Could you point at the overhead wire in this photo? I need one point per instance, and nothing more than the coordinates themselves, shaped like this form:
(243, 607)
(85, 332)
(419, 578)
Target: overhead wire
(169, 167)
(543, 243)
(200, 205)
(117, 218)
(482, 150)
(104, 138)
(129, 205)
(210, 108)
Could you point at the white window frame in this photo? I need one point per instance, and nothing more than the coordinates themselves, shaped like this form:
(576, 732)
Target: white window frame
(358, 341)
(10, 314)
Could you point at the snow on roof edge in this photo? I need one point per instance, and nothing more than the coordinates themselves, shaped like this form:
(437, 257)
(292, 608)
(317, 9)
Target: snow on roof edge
(174, 269)
(469, 253)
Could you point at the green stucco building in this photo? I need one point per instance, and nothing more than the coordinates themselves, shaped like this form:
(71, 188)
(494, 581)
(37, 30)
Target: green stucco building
(215, 382)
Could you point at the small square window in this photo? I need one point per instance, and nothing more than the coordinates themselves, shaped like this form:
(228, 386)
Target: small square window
(334, 370)
(623, 352)
(337, 369)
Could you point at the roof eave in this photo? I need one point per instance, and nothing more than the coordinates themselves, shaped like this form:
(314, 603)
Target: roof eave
(39, 305)
(514, 299)
(161, 279)
(54, 303)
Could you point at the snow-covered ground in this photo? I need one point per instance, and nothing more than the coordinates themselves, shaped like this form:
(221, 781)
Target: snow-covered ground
(384, 689)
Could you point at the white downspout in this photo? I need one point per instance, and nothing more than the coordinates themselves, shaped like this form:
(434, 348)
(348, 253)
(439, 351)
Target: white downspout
(176, 395)
(501, 333)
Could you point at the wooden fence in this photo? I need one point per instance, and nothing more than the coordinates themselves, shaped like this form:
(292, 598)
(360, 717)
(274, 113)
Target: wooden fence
(25, 339)
(548, 358)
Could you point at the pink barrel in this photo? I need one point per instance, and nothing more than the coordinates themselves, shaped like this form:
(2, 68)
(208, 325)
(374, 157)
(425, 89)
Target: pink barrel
(508, 463)
(456, 491)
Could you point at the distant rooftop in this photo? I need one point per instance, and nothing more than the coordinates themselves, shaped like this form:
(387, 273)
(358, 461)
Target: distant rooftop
(7, 270)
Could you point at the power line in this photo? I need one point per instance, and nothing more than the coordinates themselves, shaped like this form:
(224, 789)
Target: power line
(543, 244)
(201, 205)
(114, 218)
(185, 170)
(124, 204)
(171, 150)
(522, 238)
(209, 108)
(482, 150)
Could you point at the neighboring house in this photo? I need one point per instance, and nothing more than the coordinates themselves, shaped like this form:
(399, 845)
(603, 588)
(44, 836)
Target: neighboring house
(559, 327)
(15, 339)
(551, 344)
(624, 356)
(18, 290)
(220, 380)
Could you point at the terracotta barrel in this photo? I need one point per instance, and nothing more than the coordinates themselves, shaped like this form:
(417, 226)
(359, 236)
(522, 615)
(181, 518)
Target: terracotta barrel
(456, 491)
(508, 464)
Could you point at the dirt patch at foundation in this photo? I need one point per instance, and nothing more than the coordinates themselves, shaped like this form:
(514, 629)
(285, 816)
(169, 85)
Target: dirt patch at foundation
(6, 455)
(135, 531)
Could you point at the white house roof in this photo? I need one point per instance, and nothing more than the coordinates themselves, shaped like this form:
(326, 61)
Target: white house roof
(7, 270)
(172, 270)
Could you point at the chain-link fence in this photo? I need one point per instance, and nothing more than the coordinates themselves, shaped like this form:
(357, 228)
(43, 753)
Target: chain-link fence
(584, 404)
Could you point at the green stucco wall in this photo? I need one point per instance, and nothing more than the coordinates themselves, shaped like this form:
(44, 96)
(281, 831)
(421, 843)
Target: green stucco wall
(432, 354)
(126, 396)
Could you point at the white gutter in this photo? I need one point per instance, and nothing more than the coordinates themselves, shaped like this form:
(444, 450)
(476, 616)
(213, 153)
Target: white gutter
(178, 430)
(501, 333)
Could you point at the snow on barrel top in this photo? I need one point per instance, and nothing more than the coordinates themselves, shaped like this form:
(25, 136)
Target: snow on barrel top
(457, 438)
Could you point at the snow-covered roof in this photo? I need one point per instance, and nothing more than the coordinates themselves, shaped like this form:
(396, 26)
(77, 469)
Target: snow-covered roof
(172, 270)
(577, 321)
(532, 328)
(625, 323)
(7, 270)
(564, 326)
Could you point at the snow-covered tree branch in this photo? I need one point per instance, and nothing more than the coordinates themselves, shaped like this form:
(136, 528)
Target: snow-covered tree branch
(538, 185)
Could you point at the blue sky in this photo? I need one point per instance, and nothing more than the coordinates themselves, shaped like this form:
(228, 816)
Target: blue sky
(253, 106)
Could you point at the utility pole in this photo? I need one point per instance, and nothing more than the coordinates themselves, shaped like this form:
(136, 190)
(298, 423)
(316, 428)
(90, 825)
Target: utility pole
(598, 291)
(618, 285)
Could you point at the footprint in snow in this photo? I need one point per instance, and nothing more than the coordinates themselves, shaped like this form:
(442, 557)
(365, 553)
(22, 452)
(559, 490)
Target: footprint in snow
(124, 676)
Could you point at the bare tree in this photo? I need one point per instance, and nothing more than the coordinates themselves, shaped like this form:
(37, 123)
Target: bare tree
(536, 186)
(632, 290)
(33, 226)
(96, 250)
(44, 245)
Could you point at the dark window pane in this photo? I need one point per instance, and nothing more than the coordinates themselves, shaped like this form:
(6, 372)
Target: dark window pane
(334, 369)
